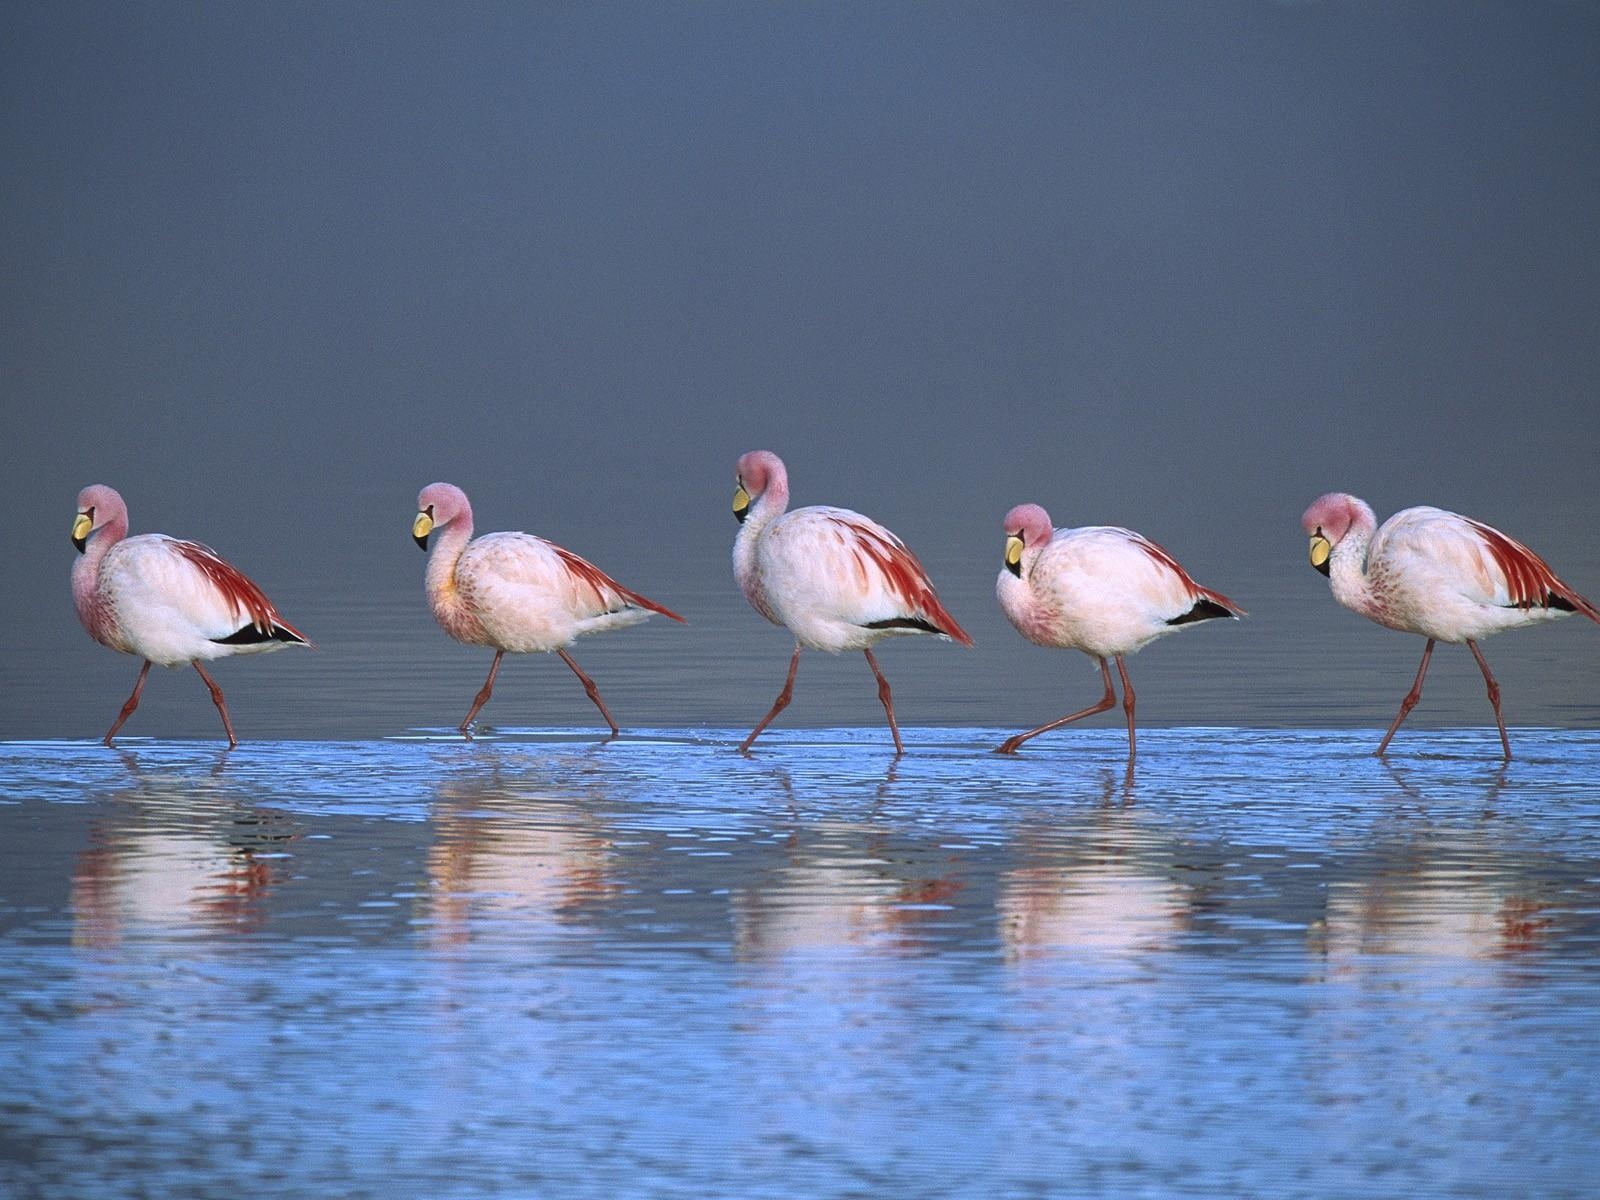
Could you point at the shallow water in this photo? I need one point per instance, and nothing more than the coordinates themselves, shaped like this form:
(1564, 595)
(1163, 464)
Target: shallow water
(1267, 965)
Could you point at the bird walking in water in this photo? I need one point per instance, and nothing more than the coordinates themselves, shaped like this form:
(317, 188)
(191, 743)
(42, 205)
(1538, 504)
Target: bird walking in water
(834, 578)
(1100, 589)
(516, 592)
(1434, 573)
(164, 600)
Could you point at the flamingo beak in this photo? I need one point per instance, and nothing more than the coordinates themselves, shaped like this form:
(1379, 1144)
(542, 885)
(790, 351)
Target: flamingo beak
(81, 528)
(1321, 549)
(421, 528)
(1014, 554)
(741, 504)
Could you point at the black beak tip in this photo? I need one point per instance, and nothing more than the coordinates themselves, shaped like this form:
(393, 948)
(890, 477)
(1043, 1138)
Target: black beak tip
(79, 544)
(422, 542)
(739, 514)
(1324, 568)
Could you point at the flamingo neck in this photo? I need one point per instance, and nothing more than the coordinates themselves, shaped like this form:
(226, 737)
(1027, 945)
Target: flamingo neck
(1347, 572)
(448, 545)
(768, 507)
(93, 611)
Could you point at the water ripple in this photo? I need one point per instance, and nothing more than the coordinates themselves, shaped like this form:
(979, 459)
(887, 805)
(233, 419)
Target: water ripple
(652, 965)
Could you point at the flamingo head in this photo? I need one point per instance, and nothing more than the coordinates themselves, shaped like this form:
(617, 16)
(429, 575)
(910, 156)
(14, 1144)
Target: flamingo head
(1329, 519)
(438, 504)
(1027, 528)
(97, 505)
(757, 472)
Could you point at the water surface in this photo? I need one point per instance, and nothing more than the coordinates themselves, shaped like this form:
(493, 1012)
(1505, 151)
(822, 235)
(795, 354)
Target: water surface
(1266, 965)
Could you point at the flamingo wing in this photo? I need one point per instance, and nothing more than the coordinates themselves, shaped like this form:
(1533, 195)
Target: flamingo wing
(883, 562)
(1206, 602)
(608, 594)
(1527, 579)
(239, 595)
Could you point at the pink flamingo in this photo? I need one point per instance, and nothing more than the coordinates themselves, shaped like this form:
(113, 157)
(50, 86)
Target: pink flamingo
(1099, 589)
(516, 592)
(836, 579)
(164, 600)
(1434, 573)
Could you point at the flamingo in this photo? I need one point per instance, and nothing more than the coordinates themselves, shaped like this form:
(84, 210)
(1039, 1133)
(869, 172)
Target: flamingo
(516, 592)
(1100, 589)
(836, 579)
(165, 600)
(1446, 577)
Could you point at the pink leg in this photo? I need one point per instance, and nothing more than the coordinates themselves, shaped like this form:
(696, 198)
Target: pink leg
(1009, 746)
(778, 705)
(133, 703)
(222, 705)
(1410, 700)
(1127, 705)
(887, 698)
(483, 695)
(1494, 696)
(589, 687)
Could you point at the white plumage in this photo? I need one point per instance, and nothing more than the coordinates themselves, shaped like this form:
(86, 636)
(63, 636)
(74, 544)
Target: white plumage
(165, 600)
(1101, 589)
(516, 592)
(1437, 574)
(835, 579)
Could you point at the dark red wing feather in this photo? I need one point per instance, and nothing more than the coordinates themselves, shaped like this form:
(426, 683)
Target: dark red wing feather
(1161, 556)
(601, 583)
(248, 600)
(1529, 580)
(890, 557)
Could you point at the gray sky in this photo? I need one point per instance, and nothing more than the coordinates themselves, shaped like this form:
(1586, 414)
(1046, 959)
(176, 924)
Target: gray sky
(270, 268)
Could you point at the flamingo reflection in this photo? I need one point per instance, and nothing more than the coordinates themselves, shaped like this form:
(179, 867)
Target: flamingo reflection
(499, 858)
(842, 888)
(1099, 896)
(180, 853)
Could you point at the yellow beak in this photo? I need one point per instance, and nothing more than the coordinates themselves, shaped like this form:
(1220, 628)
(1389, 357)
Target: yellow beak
(1321, 548)
(1014, 554)
(421, 528)
(741, 502)
(81, 528)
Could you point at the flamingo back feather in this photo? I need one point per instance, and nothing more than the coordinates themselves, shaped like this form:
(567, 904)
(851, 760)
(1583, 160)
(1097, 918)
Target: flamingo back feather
(1529, 580)
(877, 549)
(237, 589)
(601, 583)
(1196, 591)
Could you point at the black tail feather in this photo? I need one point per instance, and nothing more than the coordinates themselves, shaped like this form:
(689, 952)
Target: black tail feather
(916, 623)
(1203, 610)
(251, 635)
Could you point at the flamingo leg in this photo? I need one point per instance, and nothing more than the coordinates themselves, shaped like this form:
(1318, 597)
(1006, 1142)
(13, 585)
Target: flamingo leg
(133, 703)
(778, 705)
(1494, 695)
(1009, 746)
(589, 687)
(222, 705)
(483, 695)
(1127, 705)
(887, 699)
(1411, 698)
